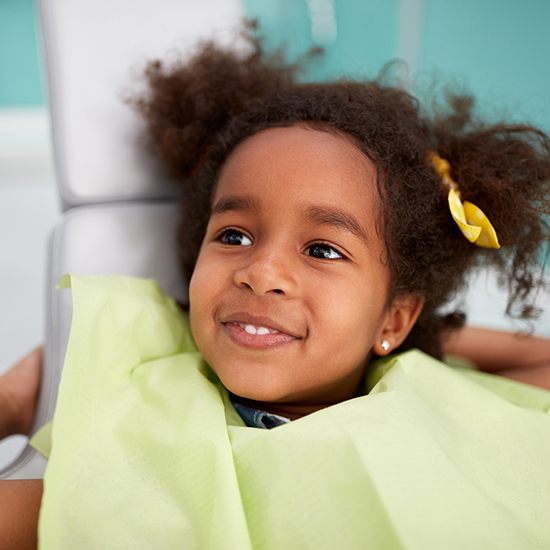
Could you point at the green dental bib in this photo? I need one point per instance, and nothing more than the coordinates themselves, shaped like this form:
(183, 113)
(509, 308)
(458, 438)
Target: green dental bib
(148, 452)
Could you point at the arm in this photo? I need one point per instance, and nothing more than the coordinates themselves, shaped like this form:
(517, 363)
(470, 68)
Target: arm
(19, 507)
(523, 358)
(19, 500)
(18, 394)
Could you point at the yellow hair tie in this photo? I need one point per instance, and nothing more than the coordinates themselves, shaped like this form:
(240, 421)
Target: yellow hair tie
(471, 220)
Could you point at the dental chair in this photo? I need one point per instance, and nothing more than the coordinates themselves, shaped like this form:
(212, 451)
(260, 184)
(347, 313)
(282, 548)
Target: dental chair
(119, 209)
(120, 212)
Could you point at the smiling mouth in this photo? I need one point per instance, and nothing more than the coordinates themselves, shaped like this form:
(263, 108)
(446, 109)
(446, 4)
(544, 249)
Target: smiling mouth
(259, 337)
(257, 332)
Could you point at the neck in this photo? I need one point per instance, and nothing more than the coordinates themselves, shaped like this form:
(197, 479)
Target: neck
(291, 410)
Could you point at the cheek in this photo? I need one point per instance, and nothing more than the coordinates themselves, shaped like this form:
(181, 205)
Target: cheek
(202, 288)
(205, 277)
(356, 315)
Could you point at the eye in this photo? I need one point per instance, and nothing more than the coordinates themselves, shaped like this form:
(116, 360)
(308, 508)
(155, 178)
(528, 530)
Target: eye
(324, 251)
(234, 237)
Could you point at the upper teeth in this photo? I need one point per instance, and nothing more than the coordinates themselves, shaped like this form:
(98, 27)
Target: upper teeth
(251, 329)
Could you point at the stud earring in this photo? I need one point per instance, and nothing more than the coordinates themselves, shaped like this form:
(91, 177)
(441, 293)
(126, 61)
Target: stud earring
(385, 345)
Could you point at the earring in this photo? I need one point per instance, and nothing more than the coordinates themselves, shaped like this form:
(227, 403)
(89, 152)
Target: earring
(385, 345)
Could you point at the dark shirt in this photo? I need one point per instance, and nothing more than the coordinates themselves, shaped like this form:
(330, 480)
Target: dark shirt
(255, 418)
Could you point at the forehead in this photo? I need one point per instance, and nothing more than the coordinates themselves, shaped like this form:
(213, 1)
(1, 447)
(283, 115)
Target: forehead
(298, 165)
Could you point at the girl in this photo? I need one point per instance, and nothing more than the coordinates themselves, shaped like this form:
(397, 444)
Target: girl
(323, 228)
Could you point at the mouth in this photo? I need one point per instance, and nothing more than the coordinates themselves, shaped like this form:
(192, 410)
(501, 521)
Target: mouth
(258, 332)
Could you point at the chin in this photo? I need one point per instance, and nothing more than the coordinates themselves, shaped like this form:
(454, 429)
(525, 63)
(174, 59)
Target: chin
(253, 389)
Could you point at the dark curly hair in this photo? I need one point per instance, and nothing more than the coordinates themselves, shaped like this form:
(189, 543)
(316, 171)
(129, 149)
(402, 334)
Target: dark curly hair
(199, 110)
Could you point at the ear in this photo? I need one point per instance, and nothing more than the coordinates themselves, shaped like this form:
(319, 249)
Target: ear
(398, 322)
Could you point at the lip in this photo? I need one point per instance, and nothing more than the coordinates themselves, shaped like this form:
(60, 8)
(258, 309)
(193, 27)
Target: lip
(232, 327)
(259, 321)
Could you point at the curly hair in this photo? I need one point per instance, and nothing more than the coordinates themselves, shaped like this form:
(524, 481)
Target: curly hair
(199, 110)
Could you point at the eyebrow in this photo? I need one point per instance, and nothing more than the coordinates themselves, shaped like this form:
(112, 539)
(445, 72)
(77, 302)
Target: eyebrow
(320, 215)
(233, 203)
(336, 217)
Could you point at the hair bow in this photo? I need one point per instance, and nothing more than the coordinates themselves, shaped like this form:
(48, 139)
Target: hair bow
(471, 220)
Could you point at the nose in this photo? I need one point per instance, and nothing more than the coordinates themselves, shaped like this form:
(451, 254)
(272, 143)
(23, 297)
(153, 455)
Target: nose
(267, 273)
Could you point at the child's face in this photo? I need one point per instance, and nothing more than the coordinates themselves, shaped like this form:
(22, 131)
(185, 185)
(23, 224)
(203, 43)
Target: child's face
(291, 245)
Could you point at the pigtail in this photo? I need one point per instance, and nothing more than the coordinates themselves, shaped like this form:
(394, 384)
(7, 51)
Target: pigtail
(502, 168)
(505, 170)
(191, 102)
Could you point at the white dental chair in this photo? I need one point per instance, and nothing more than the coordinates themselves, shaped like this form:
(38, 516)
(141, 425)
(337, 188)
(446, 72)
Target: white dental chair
(119, 215)
(120, 212)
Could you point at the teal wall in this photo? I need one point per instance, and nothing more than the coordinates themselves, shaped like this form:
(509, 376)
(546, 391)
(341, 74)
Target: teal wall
(20, 78)
(497, 49)
(366, 38)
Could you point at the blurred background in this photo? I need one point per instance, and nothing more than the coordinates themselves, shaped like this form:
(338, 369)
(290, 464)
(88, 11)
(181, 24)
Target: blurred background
(496, 49)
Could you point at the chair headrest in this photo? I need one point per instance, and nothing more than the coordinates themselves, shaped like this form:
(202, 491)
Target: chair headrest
(95, 55)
